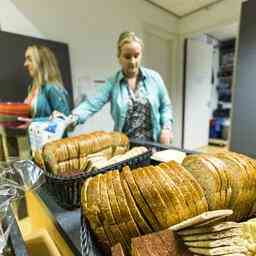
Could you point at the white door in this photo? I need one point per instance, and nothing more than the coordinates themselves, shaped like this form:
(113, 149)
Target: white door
(197, 93)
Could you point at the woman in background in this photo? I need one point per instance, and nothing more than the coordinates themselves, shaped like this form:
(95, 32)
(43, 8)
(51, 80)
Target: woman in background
(46, 93)
(140, 105)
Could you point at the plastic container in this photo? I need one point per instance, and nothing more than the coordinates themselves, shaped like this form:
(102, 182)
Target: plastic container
(66, 190)
(15, 109)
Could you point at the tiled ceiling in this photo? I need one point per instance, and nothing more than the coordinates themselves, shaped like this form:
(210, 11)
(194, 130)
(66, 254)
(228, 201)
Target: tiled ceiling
(182, 8)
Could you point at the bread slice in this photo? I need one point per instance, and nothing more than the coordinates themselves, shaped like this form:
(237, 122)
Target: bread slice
(152, 197)
(238, 178)
(225, 190)
(141, 222)
(124, 239)
(89, 201)
(117, 250)
(112, 230)
(139, 247)
(207, 177)
(202, 218)
(183, 199)
(162, 188)
(248, 165)
(195, 188)
(123, 206)
(139, 199)
(194, 193)
(219, 227)
(155, 245)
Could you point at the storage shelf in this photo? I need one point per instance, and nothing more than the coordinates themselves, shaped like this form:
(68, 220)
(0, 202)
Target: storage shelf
(218, 142)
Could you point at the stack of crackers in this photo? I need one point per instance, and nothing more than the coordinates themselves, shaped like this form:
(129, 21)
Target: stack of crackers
(207, 234)
(228, 180)
(249, 235)
(127, 204)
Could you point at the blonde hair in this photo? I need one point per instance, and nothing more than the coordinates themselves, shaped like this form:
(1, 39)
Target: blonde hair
(127, 37)
(46, 66)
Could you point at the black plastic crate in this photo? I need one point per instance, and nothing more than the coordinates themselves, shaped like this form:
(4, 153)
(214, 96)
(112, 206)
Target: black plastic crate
(66, 190)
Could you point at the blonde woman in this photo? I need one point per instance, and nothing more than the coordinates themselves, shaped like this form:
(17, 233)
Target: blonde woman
(140, 105)
(46, 93)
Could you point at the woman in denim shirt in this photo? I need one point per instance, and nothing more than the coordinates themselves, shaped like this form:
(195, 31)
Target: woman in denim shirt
(140, 105)
(46, 93)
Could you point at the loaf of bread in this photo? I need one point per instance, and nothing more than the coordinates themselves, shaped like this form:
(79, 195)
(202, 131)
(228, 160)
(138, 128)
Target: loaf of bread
(122, 205)
(71, 155)
(104, 162)
(228, 180)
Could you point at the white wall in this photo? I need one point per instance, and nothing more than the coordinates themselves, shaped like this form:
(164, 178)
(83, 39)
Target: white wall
(223, 13)
(91, 29)
(12, 20)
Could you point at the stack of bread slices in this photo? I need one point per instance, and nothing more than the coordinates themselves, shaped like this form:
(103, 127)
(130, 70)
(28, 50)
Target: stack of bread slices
(228, 180)
(72, 155)
(127, 204)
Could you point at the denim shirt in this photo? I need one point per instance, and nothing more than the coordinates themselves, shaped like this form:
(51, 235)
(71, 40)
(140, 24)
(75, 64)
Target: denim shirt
(116, 92)
(50, 97)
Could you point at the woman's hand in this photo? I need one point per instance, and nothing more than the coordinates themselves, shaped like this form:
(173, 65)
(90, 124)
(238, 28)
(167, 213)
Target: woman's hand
(57, 114)
(24, 119)
(166, 136)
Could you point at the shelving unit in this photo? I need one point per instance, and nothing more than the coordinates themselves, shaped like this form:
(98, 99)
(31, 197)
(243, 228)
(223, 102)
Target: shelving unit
(220, 124)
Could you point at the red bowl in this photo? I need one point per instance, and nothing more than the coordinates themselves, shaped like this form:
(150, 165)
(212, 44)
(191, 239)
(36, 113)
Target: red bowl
(15, 109)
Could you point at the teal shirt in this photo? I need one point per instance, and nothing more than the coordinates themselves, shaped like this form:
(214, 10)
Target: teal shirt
(51, 97)
(115, 91)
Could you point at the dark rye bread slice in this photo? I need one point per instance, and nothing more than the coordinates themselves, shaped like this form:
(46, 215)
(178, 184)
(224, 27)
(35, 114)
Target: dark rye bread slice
(152, 197)
(117, 250)
(182, 197)
(214, 163)
(193, 193)
(123, 206)
(116, 212)
(174, 245)
(195, 188)
(162, 188)
(215, 243)
(90, 206)
(238, 178)
(155, 245)
(219, 227)
(141, 222)
(219, 250)
(207, 178)
(200, 219)
(139, 247)
(139, 199)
